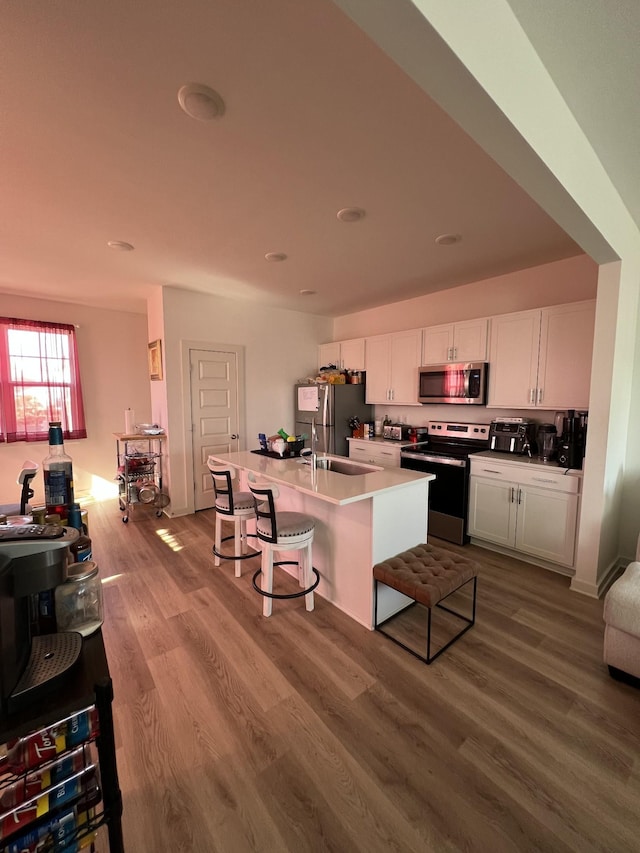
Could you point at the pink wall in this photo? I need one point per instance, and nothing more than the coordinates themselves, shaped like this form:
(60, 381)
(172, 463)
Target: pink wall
(569, 280)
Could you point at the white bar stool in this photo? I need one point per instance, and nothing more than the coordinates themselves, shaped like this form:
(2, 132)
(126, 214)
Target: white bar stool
(282, 531)
(238, 507)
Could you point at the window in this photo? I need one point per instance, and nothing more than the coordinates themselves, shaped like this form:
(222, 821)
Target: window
(39, 380)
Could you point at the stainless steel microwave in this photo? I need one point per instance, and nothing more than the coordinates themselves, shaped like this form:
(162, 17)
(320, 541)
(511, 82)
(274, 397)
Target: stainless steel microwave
(463, 384)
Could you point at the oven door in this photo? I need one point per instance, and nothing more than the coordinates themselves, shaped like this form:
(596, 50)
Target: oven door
(448, 493)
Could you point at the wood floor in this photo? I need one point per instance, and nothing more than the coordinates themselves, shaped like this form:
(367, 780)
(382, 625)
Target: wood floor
(306, 732)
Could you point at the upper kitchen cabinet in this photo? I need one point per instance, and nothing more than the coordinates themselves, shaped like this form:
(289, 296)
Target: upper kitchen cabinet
(542, 358)
(346, 355)
(465, 341)
(391, 364)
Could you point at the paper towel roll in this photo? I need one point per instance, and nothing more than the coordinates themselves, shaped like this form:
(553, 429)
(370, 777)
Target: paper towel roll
(129, 421)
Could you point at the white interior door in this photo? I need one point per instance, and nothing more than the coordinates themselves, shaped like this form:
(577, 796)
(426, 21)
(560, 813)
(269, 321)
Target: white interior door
(214, 414)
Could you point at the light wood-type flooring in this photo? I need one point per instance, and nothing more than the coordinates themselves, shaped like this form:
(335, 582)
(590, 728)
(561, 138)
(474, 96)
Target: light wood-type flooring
(306, 732)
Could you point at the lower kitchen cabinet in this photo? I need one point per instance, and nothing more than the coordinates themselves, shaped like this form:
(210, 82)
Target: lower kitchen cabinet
(374, 453)
(529, 508)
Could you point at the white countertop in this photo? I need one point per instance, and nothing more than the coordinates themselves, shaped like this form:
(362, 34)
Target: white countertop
(329, 486)
(515, 459)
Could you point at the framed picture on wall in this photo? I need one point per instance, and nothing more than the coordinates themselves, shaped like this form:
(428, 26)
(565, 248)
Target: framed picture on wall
(155, 359)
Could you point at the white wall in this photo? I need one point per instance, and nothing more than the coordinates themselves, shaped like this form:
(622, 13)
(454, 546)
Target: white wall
(280, 347)
(113, 371)
(570, 280)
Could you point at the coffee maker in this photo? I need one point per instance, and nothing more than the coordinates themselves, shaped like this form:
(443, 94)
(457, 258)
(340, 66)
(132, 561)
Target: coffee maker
(31, 664)
(571, 447)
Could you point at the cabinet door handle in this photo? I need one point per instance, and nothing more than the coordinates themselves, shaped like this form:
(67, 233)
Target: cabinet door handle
(532, 395)
(491, 471)
(454, 352)
(539, 395)
(519, 496)
(512, 494)
(449, 353)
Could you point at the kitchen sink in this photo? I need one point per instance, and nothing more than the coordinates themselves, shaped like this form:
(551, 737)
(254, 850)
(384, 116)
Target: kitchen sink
(344, 466)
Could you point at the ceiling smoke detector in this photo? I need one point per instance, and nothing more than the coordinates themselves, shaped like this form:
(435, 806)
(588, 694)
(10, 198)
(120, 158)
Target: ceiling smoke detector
(448, 239)
(200, 102)
(350, 214)
(274, 257)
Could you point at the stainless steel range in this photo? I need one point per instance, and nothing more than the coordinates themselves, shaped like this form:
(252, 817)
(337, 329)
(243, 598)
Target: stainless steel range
(446, 454)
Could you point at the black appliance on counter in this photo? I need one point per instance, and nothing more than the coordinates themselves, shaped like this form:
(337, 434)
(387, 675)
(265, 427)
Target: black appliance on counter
(513, 435)
(446, 454)
(572, 442)
(33, 559)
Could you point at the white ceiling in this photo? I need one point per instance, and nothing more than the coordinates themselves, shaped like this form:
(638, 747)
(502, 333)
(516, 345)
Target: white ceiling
(94, 147)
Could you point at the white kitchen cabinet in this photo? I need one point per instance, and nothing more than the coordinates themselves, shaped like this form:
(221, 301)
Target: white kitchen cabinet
(374, 452)
(566, 351)
(392, 362)
(464, 341)
(346, 355)
(542, 358)
(329, 354)
(532, 509)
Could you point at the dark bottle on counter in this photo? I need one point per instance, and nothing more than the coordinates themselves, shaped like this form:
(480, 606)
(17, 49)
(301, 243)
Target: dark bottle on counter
(80, 549)
(58, 474)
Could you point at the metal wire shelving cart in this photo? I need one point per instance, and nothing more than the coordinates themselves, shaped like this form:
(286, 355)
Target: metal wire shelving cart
(140, 472)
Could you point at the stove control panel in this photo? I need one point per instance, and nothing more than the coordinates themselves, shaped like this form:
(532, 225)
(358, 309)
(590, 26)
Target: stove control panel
(455, 430)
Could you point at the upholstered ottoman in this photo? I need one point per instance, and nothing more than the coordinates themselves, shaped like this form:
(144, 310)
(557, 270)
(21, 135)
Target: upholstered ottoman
(427, 575)
(622, 624)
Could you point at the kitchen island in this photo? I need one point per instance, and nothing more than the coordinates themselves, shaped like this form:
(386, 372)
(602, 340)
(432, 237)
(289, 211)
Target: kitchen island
(361, 519)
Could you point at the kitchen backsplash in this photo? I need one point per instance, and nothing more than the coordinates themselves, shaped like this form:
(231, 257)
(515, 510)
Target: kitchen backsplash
(421, 415)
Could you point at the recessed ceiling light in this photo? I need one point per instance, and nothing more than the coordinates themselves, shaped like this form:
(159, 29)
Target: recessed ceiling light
(200, 102)
(120, 245)
(275, 256)
(351, 214)
(448, 239)
(307, 292)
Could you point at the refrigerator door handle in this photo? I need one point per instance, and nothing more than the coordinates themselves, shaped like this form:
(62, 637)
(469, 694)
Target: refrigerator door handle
(324, 414)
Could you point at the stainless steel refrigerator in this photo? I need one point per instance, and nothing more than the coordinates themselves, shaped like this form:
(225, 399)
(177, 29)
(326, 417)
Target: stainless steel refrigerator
(331, 406)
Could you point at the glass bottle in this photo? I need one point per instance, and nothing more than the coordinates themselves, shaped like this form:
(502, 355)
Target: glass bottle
(58, 474)
(81, 548)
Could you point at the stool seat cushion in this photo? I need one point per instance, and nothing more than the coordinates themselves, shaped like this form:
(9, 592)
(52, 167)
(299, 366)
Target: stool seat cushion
(622, 602)
(241, 500)
(426, 573)
(289, 525)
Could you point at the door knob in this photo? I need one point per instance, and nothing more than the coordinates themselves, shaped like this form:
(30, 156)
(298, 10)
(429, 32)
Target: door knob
(234, 436)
